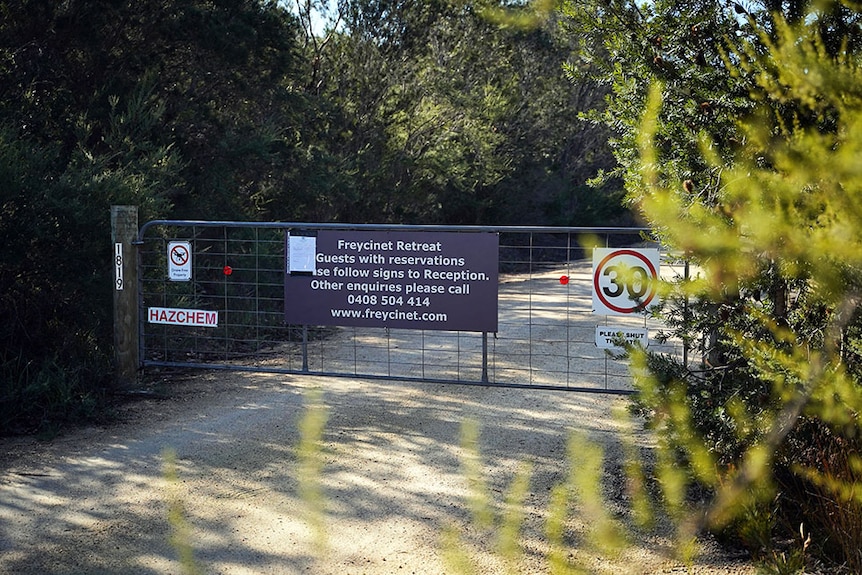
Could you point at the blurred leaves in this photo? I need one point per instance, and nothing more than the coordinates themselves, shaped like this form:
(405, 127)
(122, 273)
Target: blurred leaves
(778, 252)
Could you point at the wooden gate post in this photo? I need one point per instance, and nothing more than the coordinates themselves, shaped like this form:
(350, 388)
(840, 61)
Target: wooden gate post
(124, 232)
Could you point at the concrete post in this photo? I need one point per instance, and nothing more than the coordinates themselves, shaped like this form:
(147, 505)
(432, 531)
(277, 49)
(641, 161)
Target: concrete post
(124, 232)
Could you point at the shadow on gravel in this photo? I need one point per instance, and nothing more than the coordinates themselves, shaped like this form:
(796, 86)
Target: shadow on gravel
(392, 480)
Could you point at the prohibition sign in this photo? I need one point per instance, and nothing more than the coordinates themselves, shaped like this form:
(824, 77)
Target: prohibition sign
(179, 255)
(625, 281)
(180, 261)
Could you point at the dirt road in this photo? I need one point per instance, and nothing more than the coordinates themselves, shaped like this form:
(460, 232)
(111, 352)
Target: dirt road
(96, 499)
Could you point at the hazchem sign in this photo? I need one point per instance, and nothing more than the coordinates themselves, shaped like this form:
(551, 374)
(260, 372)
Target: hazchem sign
(180, 261)
(625, 281)
(397, 279)
(187, 317)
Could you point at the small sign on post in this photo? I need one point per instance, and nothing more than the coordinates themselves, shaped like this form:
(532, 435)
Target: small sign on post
(301, 251)
(187, 317)
(180, 261)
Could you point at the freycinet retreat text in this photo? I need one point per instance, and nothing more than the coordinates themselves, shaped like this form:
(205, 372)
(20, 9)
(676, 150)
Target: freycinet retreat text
(423, 280)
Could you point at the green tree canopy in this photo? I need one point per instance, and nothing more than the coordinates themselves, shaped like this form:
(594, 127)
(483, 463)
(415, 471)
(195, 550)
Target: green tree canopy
(398, 112)
(440, 114)
(746, 162)
(179, 108)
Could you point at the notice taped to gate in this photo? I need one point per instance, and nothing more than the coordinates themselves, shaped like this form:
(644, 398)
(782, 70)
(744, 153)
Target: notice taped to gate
(397, 279)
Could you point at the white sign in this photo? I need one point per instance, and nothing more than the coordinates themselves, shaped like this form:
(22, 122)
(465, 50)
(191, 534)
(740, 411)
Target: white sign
(607, 336)
(187, 317)
(180, 261)
(118, 266)
(301, 254)
(625, 281)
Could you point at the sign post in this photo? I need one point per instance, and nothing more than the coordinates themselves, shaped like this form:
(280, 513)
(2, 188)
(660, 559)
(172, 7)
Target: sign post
(124, 231)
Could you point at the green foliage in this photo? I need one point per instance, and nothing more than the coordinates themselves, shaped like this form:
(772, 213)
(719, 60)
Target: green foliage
(56, 326)
(423, 112)
(746, 162)
(104, 104)
(580, 495)
(440, 112)
(628, 45)
(42, 395)
(772, 228)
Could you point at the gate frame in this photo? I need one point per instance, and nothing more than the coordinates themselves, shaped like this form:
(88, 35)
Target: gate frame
(139, 335)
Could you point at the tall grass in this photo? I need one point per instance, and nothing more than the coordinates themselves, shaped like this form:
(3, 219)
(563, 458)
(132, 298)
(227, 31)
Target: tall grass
(41, 397)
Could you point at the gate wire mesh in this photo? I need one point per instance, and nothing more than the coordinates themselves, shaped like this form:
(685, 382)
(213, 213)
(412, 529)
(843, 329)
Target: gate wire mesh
(545, 338)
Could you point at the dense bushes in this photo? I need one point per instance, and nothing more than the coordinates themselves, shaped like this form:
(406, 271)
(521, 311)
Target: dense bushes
(745, 163)
(420, 113)
(770, 421)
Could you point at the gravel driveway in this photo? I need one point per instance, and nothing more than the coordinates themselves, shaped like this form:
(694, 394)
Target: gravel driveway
(96, 500)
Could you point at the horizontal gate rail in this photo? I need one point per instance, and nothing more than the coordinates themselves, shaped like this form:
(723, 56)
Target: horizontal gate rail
(545, 339)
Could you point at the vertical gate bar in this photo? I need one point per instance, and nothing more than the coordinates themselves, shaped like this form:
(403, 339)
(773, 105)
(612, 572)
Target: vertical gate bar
(305, 349)
(226, 299)
(494, 353)
(568, 308)
(607, 245)
(139, 262)
(388, 353)
(530, 310)
(606, 370)
(255, 244)
(164, 328)
(355, 353)
(458, 355)
(484, 357)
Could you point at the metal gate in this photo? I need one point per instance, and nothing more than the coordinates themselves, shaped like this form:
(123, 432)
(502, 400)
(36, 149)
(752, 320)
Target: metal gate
(212, 295)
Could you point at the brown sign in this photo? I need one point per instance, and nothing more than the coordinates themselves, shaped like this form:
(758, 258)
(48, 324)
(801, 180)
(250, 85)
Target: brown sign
(411, 280)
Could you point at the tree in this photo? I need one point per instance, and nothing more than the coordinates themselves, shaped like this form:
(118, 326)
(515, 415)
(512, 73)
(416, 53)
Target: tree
(759, 191)
(178, 108)
(224, 109)
(438, 113)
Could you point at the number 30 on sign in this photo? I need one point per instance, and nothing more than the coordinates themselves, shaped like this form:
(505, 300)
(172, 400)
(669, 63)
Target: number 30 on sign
(625, 281)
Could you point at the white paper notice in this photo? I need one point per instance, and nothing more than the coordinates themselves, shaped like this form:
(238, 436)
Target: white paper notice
(301, 253)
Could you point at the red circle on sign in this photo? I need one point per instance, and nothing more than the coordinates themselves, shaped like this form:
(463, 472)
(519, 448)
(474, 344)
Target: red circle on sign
(638, 305)
(227, 270)
(564, 280)
(179, 255)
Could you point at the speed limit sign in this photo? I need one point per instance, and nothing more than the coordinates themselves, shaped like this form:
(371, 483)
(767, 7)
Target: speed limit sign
(625, 281)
